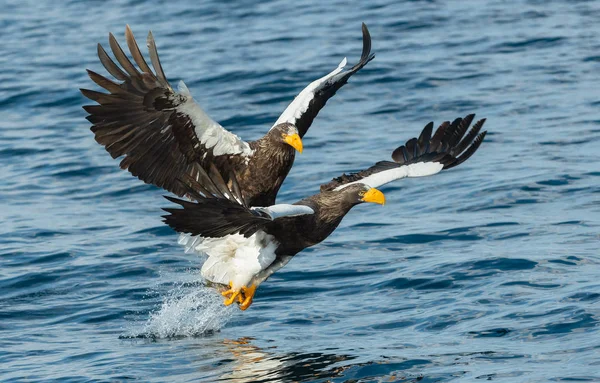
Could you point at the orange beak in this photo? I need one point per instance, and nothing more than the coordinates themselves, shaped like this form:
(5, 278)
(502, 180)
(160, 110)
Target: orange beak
(374, 196)
(294, 141)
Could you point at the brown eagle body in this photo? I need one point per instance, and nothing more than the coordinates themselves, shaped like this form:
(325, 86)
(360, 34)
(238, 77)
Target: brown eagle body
(297, 233)
(262, 177)
(164, 136)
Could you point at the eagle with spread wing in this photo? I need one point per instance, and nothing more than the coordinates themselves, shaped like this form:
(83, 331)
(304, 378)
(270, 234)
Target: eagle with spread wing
(246, 243)
(163, 135)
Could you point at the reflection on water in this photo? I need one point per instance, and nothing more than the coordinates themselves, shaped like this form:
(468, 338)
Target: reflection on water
(250, 363)
(253, 364)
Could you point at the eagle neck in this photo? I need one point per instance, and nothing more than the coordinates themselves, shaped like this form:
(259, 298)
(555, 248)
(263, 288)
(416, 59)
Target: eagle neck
(270, 164)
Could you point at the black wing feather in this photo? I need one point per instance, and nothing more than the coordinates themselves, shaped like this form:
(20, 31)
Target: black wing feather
(449, 146)
(331, 87)
(424, 137)
(213, 220)
(135, 51)
(138, 119)
(217, 210)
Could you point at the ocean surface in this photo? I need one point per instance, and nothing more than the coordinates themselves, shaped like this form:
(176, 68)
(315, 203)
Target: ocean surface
(486, 272)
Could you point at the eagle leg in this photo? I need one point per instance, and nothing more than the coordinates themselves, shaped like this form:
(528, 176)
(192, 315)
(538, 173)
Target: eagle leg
(228, 292)
(230, 295)
(231, 298)
(248, 293)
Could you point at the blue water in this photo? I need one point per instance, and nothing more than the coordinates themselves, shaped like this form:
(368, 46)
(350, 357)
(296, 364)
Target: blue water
(490, 271)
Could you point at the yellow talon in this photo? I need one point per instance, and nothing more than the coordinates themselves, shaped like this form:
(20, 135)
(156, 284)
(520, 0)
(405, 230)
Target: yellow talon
(227, 292)
(244, 296)
(230, 300)
(246, 304)
(230, 295)
(249, 294)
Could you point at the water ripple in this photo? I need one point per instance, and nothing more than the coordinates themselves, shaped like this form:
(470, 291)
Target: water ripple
(486, 272)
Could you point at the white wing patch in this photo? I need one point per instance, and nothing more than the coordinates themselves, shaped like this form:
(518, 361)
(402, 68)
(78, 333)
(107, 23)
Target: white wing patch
(285, 210)
(210, 133)
(233, 258)
(420, 169)
(302, 100)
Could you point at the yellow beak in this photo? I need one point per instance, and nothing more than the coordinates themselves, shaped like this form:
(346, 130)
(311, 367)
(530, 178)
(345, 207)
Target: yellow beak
(294, 141)
(375, 196)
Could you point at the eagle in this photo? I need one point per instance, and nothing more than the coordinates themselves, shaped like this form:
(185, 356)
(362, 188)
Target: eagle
(164, 136)
(247, 243)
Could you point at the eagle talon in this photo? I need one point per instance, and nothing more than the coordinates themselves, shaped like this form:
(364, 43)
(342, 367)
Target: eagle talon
(243, 296)
(231, 299)
(230, 295)
(246, 304)
(248, 293)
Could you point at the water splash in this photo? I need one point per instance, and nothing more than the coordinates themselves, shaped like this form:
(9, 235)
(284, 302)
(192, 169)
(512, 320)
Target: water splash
(187, 309)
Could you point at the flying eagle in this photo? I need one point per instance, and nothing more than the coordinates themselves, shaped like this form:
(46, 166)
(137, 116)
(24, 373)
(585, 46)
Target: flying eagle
(165, 136)
(246, 244)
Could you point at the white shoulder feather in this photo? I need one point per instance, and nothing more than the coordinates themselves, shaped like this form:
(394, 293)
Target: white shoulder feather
(284, 210)
(210, 133)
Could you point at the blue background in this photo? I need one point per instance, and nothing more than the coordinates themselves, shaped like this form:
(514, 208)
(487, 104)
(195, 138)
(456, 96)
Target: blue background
(486, 271)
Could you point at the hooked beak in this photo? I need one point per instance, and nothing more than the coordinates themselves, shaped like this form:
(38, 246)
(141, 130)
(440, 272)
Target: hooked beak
(294, 141)
(374, 196)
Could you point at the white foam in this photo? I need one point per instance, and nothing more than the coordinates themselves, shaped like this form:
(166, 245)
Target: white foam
(187, 309)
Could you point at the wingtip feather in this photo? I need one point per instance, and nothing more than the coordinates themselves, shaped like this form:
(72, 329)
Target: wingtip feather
(366, 44)
(174, 200)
